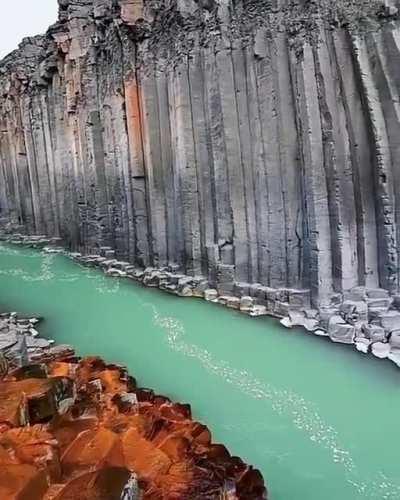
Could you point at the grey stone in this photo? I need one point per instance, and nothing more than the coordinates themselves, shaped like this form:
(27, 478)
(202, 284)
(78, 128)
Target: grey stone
(394, 339)
(356, 294)
(396, 302)
(375, 333)
(380, 350)
(242, 289)
(311, 313)
(339, 331)
(325, 313)
(211, 295)
(362, 345)
(233, 302)
(354, 312)
(258, 310)
(377, 293)
(286, 322)
(8, 341)
(379, 304)
(36, 342)
(299, 299)
(185, 291)
(246, 302)
(281, 308)
(390, 321)
(200, 288)
(320, 333)
(117, 273)
(152, 278)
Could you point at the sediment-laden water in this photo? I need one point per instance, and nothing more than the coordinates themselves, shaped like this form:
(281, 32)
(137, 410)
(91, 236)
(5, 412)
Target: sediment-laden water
(319, 420)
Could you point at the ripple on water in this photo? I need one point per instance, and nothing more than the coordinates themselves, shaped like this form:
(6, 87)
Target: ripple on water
(303, 414)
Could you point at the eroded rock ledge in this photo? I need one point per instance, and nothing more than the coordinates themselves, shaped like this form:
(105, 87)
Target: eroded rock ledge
(80, 428)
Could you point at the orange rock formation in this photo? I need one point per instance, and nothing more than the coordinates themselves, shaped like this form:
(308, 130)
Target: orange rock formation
(82, 429)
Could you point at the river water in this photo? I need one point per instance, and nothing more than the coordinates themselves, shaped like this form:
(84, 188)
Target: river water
(320, 420)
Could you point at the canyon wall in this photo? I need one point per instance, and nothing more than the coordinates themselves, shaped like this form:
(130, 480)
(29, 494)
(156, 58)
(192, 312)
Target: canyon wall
(247, 141)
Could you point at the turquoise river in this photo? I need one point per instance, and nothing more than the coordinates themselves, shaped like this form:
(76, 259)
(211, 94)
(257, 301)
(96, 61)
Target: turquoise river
(319, 419)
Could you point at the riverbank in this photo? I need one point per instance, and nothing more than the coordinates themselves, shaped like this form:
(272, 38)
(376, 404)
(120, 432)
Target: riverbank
(72, 426)
(367, 318)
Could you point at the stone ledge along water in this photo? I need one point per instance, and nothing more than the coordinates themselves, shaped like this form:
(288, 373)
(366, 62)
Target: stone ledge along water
(318, 419)
(367, 318)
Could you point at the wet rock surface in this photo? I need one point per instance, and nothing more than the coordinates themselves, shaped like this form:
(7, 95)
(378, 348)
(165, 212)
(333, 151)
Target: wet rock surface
(82, 428)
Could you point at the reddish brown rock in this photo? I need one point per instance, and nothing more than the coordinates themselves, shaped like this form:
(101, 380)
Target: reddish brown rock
(93, 434)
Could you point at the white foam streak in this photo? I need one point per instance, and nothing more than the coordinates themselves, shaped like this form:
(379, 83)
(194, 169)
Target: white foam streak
(303, 414)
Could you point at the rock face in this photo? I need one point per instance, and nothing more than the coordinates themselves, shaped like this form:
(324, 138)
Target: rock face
(247, 141)
(82, 429)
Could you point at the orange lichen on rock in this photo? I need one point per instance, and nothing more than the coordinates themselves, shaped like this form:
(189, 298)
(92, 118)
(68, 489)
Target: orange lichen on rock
(81, 429)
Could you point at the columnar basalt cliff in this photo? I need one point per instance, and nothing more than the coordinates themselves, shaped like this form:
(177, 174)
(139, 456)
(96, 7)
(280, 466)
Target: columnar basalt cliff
(251, 142)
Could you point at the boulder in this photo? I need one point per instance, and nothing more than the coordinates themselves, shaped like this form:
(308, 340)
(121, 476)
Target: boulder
(185, 291)
(354, 312)
(311, 313)
(286, 322)
(210, 294)
(340, 331)
(246, 302)
(396, 302)
(325, 313)
(37, 343)
(152, 278)
(394, 339)
(356, 294)
(379, 303)
(256, 290)
(7, 341)
(200, 288)
(377, 293)
(380, 350)
(258, 310)
(362, 344)
(320, 332)
(242, 289)
(374, 333)
(298, 318)
(282, 308)
(233, 302)
(390, 321)
(116, 273)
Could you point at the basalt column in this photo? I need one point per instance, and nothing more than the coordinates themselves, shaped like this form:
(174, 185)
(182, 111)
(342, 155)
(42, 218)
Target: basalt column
(254, 143)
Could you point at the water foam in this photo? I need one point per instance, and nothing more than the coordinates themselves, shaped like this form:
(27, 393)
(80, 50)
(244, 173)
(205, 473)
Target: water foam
(302, 413)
